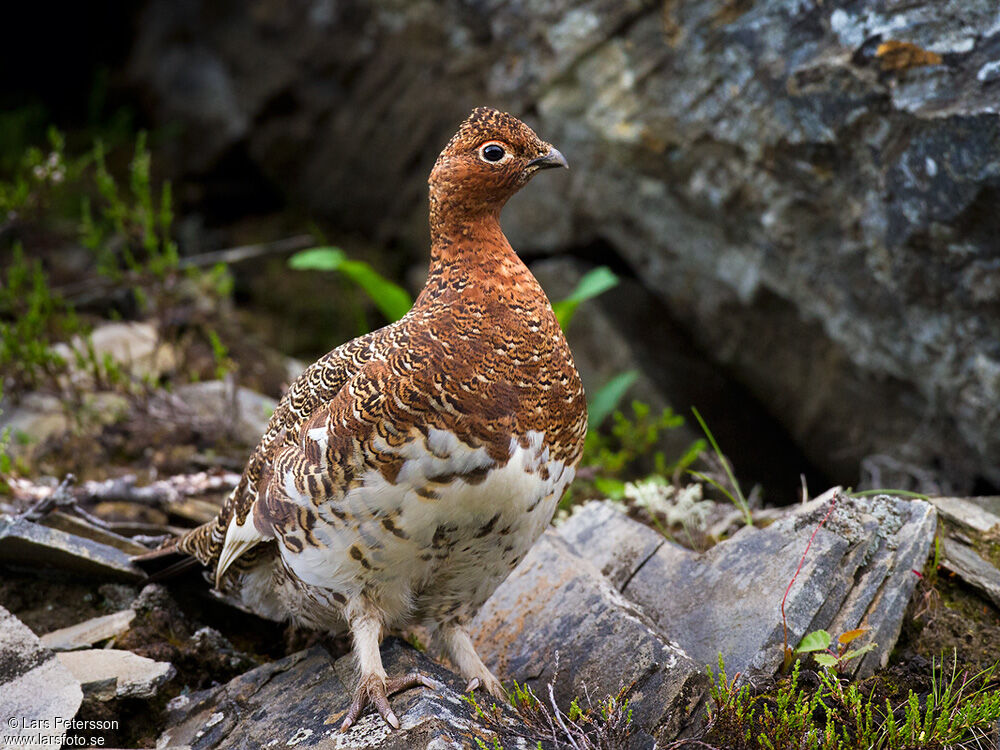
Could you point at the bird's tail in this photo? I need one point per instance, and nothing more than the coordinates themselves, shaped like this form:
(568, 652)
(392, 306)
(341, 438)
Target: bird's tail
(167, 562)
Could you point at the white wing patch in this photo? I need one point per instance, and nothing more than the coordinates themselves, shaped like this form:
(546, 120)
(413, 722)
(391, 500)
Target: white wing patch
(238, 540)
(320, 435)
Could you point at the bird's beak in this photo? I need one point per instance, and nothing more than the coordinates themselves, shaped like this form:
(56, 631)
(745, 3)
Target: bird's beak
(552, 159)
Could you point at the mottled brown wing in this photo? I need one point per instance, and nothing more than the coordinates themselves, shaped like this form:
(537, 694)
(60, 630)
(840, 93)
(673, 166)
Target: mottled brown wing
(315, 387)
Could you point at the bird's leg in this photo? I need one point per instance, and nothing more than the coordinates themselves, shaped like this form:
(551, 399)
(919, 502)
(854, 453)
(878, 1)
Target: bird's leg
(458, 646)
(374, 686)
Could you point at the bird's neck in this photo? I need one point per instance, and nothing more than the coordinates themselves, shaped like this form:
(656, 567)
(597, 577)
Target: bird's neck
(457, 234)
(470, 250)
(471, 240)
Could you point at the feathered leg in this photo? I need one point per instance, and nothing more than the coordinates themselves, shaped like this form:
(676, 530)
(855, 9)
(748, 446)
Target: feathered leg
(458, 646)
(374, 686)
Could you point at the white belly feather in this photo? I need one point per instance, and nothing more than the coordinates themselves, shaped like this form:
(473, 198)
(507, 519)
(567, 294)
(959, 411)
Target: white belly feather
(455, 547)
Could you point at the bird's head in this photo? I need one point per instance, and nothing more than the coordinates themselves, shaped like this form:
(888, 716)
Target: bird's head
(491, 157)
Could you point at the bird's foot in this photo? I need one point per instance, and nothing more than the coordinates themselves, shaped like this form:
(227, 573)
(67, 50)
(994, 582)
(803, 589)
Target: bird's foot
(376, 692)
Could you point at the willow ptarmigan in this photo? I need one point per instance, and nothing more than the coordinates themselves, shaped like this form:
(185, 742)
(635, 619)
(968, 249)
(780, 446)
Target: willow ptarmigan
(406, 473)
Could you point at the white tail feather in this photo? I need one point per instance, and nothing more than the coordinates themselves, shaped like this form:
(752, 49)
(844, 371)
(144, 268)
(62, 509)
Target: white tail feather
(238, 540)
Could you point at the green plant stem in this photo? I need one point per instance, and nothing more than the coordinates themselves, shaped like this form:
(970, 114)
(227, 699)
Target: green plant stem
(740, 501)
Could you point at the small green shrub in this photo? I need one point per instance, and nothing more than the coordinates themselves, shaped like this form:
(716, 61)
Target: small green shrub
(134, 217)
(960, 711)
(36, 178)
(628, 451)
(32, 319)
(818, 644)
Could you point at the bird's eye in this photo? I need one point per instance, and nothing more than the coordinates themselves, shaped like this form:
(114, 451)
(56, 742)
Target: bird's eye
(492, 152)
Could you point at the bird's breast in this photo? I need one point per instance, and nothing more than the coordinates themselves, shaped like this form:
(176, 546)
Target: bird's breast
(449, 506)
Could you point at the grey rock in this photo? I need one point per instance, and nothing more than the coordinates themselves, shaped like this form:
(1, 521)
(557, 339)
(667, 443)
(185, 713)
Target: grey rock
(727, 600)
(889, 572)
(135, 345)
(254, 709)
(112, 673)
(84, 529)
(23, 542)
(967, 564)
(36, 416)
(610, 541)
(88, 633)
(858, 571)
(557, 620)
(244, 412)
(36, 690)
(980, 514)
(816, 218)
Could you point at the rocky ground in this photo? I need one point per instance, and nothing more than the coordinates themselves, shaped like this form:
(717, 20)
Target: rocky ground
(604, 610)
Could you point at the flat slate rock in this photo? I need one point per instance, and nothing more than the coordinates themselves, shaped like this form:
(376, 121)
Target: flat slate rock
(963, 560)
(109, 673)
(79, 527)
(611, 540)
(89, 632)
(36, 690)
(24, 542)
(858, 571)
(301, 700)
(557, 620)
(980, 514)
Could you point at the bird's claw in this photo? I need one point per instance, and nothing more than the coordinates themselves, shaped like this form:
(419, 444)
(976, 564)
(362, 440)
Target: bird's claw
(376, 692)
(490, 684)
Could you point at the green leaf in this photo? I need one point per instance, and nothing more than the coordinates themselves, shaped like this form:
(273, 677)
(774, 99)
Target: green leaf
(391, 299)
(608, 397)
(691, 455)
(593, 283)
(318, 259)
(818, 640)
(854, 653)
(611, 488)
(825, 660)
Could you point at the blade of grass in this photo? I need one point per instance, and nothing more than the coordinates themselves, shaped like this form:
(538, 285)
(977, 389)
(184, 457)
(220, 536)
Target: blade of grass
(739, 501)
(898, 493)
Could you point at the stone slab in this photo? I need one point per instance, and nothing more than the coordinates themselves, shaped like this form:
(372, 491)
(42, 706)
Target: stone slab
(858, 573)
(89, 632)
(23, 542)
(300, 701)
(36, 690)
(133, 676)
(965, 562)
(610, 540)
(557, 620)
(981, 514)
